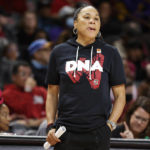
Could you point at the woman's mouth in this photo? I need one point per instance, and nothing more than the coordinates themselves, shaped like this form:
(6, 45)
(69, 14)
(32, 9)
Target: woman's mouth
(91, 29)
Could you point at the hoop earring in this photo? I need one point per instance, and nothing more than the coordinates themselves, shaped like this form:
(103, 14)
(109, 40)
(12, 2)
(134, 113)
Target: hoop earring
(99, 34)
(74, 31)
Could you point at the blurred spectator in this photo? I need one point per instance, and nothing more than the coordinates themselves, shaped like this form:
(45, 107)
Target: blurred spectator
(5, 31)
(64, 36)
(54, 26)
(25, 100)
(131, 89)
(14, 6)
(136, 58)
(144, 86)
(137, 123)
(46, 22)
(120, 9)
(4, 115)
(39, 51)
(117, 42)
(56, 5)
(146, 41)
(66, 16)
(138, 8)
(66, 11)
(3, 43)
(131, 30)
(41, 34)
(9, 56)
(26, 33)
(43, 8)
(11, 51)
(110, 25)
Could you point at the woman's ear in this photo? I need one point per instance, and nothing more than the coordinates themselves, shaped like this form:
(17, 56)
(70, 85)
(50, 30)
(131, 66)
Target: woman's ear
(75, 24)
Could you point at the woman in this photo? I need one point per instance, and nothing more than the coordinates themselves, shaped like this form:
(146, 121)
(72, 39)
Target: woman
(82, 70)
(137, 123)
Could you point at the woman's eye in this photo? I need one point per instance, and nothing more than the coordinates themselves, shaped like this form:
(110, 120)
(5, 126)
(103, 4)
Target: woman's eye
(86, 17)
(96, 19)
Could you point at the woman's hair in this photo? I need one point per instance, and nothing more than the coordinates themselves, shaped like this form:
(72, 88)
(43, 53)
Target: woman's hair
(143, 102)
(77, 11)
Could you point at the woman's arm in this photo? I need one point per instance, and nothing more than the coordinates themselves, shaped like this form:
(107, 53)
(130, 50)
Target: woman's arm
(51, 109)
(51, 103)
(119, 95)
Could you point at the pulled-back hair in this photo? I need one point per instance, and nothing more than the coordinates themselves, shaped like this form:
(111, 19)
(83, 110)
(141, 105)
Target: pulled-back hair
(143, 102)
(77, 11)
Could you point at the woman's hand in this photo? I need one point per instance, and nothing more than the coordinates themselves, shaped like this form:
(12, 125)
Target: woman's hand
(51, 138)
(109, 126)
(4, 126)
(127, 133)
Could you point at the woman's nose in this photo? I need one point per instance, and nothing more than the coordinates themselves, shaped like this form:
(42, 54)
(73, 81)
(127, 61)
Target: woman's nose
(140, 121)
(92, 21)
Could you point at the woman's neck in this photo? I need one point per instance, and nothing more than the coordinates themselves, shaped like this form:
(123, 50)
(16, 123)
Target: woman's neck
(84, 41)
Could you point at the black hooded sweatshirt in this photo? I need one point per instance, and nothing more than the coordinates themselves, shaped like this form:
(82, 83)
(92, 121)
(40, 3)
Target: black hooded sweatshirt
(84, 75)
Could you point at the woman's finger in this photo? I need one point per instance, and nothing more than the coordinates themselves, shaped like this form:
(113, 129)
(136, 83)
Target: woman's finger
(126, 126)
(55, 138)
(51, 138)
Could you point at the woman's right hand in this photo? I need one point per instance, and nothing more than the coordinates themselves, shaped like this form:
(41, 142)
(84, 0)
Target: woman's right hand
(127, 133)
(51, 138)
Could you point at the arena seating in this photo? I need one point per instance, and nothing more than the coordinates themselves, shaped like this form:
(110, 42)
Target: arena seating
(36, 142)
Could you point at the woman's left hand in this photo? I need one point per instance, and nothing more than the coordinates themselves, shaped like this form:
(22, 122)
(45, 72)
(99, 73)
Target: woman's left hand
(109, 126)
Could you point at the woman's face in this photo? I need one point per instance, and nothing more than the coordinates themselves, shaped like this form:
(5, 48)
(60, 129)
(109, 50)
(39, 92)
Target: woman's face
(87, 23)
(139, 120)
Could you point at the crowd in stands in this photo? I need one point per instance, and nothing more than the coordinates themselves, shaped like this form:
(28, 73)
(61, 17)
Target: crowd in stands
(30, 29)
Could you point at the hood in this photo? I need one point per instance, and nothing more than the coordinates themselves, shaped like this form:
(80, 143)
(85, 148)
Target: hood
(91, 46)
(98, 42)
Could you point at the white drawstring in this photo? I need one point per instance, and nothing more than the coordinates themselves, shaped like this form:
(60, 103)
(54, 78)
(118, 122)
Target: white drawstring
(91, 63)
(77, 55)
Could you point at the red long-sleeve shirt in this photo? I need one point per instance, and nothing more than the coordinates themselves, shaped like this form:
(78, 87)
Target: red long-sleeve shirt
(30, 104)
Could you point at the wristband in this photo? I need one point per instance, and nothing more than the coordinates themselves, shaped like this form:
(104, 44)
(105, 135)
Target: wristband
(49, 127)
(113, 124)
